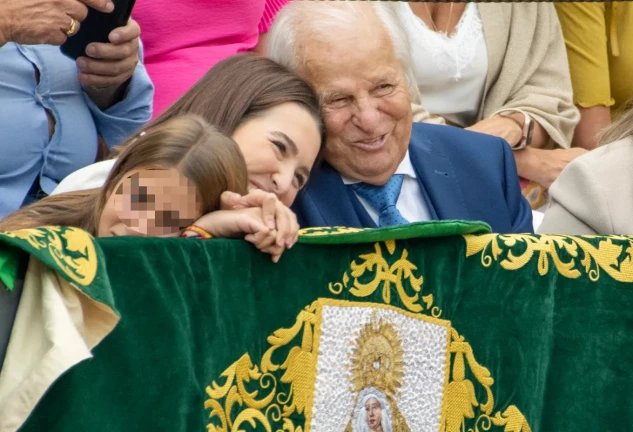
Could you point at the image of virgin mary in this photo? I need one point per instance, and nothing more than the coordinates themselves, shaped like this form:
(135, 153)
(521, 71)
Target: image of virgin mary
(372, 412)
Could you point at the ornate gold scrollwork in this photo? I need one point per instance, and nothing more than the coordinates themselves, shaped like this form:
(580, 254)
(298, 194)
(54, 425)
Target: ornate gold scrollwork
(72, 249)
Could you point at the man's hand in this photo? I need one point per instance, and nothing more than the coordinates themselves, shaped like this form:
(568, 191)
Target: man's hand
(503, 127)
(109, 66)
(35, 22)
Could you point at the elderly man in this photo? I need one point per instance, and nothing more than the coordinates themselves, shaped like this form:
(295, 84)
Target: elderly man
(55, 111)
(382, 169)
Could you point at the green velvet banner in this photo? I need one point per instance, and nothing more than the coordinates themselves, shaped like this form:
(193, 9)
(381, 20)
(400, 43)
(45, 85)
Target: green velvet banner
(430, 327)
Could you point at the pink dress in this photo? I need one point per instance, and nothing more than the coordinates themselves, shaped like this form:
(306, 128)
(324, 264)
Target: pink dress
(183, 39)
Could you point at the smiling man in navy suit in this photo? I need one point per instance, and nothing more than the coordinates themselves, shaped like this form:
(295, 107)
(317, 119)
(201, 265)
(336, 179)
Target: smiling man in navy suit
(382, 169)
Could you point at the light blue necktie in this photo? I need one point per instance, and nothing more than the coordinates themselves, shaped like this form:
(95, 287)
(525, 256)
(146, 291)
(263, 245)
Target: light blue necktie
(383, 198)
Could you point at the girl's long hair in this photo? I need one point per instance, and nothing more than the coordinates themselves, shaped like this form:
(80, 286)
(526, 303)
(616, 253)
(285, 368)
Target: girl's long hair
(208, 158)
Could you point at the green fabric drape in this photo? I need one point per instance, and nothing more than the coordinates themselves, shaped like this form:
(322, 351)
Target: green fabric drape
(513, 333)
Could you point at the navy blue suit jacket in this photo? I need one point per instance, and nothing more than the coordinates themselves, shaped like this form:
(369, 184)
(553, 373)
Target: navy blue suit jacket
(463, 175)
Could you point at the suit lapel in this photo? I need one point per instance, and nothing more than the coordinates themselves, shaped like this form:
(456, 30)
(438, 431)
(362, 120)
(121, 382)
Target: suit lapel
(437, 178)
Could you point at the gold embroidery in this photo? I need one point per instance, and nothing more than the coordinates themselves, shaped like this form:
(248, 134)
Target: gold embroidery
(384, 275)
(71, 248)
(231, 403)
(613, 254)
(326, 231)
(377, 362)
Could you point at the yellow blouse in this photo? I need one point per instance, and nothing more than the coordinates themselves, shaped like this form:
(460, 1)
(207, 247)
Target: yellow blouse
(599, 40)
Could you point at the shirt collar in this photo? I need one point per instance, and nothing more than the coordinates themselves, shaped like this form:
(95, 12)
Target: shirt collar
(405, 168)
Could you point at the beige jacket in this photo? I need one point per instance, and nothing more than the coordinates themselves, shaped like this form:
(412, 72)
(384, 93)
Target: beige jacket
(594, 194)
(527, 66)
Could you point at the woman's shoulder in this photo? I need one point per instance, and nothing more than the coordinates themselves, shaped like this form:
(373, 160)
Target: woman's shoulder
(597, 190)
(611, 157)
(90, 177)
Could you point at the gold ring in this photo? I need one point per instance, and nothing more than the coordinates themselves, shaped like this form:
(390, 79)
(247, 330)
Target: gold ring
(73, 26)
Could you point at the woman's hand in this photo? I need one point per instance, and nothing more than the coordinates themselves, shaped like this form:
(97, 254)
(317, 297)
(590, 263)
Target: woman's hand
(275, 214)
(544, 166)
(503, 127)
(233, 223)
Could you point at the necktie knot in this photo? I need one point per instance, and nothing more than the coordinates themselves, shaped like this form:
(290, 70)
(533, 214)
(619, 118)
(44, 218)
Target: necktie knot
(384, 198)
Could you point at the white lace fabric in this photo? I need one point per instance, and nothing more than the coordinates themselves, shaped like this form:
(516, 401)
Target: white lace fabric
(454, 53)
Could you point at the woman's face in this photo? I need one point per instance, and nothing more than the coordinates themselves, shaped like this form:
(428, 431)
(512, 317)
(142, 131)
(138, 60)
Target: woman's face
(280, 147)
(150, 202)
(374, 414)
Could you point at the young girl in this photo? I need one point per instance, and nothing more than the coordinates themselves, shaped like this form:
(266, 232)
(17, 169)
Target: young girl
(173, 176)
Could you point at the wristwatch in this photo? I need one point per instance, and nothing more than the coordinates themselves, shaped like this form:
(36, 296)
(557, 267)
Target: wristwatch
(527, 126)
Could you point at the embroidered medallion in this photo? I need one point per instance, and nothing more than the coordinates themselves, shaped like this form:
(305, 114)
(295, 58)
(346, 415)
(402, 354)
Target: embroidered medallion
(369, 363)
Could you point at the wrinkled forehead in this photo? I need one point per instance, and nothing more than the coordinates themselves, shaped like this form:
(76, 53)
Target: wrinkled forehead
(353, 59)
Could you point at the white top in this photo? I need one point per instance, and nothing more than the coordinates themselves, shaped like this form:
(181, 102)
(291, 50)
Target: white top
(90, 177)
(450, 71)
(410, 202)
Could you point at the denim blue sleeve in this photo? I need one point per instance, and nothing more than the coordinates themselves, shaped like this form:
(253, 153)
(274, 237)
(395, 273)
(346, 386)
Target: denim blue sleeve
(126, 117)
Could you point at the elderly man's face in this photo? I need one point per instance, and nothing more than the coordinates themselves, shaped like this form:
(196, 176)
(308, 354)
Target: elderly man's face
(365, 102)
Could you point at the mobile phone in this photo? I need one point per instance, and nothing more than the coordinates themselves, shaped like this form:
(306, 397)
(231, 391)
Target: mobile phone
(97, 27)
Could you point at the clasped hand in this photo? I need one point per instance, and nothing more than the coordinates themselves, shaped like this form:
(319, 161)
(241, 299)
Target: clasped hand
(258, 216)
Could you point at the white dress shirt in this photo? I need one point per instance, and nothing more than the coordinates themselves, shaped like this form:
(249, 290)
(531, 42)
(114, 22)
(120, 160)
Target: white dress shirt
(410, 203)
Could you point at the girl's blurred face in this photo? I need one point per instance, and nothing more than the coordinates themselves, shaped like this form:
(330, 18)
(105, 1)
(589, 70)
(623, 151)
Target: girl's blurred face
(150, 202)
(280, 147)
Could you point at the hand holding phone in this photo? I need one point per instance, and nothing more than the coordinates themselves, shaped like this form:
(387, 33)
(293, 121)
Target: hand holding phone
(36, 22)
(97, 27)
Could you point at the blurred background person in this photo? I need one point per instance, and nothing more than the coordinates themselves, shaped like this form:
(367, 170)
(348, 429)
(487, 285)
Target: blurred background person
(54, 110)
(599, 40)
(184, 39)
(498, 69)
(594, 194)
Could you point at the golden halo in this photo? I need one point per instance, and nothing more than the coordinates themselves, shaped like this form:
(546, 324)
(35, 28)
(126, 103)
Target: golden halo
(377, 359)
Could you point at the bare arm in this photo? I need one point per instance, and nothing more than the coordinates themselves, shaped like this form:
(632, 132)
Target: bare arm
(592, 121)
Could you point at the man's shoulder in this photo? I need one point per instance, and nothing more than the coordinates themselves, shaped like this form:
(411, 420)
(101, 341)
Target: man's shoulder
(453, 142)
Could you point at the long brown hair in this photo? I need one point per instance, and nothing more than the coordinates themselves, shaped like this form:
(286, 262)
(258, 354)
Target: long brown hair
(241, 88)
(208, 158)
(621, 128)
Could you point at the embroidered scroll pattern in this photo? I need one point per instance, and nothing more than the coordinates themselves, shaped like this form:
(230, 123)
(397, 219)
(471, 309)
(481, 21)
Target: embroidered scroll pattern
(72, 249)
(328, 231)
(274, 405)
(571, 256)
(276, 395)
(399, 276)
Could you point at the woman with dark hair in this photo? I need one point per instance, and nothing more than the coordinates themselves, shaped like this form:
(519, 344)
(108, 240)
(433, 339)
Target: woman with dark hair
(275, 119)
(263, 106)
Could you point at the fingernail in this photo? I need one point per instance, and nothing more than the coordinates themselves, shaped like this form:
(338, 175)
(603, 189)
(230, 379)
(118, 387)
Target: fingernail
(91, 50)
(81, 63)
(109, 6)
(271, 224)
(115, 37)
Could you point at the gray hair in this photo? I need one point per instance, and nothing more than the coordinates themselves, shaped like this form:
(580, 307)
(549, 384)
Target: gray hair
(323, 19)
(359, 422)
